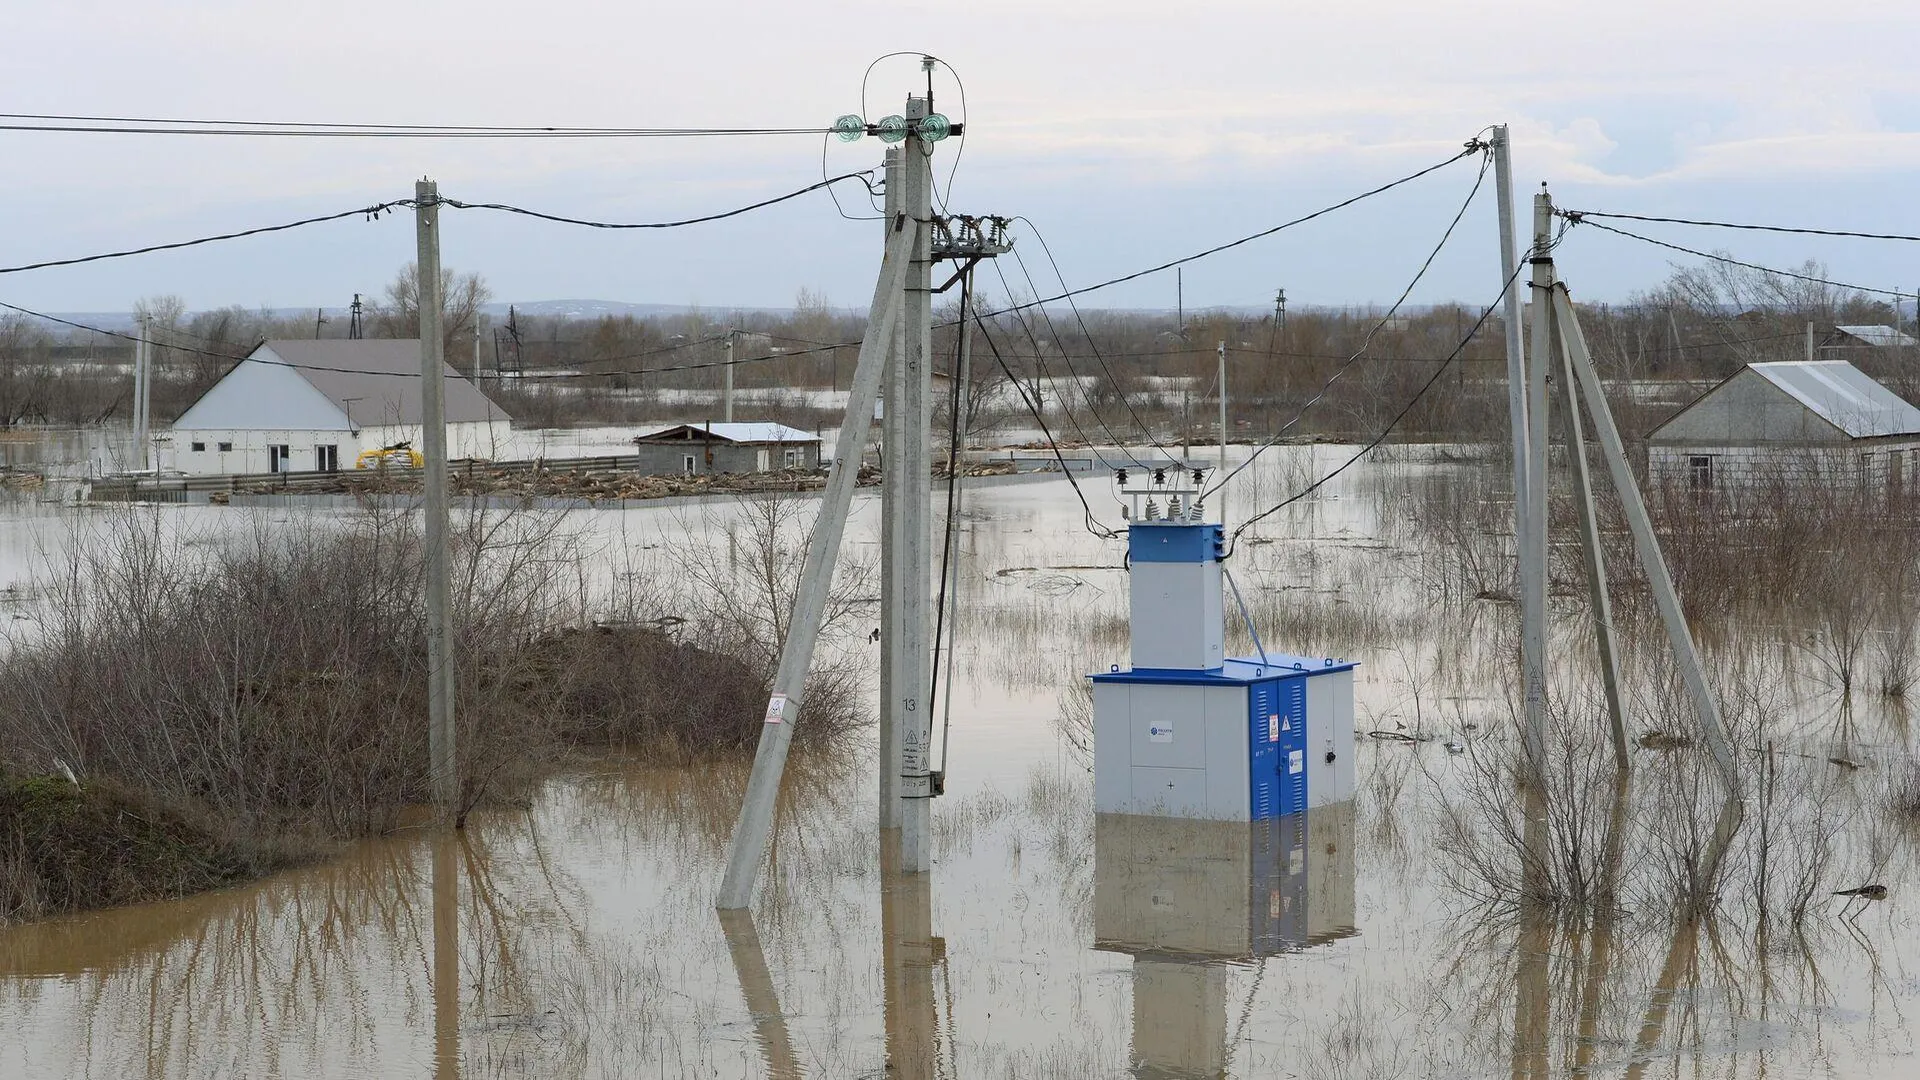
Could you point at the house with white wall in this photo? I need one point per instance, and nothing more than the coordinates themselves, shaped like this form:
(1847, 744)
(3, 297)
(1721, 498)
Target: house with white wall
(1798, 421)
(313, 406)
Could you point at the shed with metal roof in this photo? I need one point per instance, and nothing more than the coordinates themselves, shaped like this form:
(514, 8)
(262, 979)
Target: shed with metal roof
(1795, 420)
(727, 447)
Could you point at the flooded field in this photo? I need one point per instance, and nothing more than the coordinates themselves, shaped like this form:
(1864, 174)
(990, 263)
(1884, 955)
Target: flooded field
(1379, 939)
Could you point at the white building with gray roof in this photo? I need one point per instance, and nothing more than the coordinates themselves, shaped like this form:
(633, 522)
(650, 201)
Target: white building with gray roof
(313, 406)
(1819, 421)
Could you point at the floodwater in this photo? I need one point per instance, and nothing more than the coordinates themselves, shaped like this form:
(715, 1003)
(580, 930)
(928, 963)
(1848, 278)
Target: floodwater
(578, 938)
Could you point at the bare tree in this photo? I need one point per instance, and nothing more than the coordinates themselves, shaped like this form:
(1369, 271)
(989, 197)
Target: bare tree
(461, 298)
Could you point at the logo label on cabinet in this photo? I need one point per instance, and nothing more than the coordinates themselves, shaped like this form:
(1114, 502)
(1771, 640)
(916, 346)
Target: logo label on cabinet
(1296, 761)
(1160, 731)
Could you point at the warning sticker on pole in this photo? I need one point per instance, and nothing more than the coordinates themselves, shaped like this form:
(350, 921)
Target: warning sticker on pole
(777, 709)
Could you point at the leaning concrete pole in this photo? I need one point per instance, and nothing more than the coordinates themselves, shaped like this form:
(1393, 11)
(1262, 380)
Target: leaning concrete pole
(1532, 546)
(433, 432)
(816, 576)
(1665, 598)
(1596, 562)
(912, 705)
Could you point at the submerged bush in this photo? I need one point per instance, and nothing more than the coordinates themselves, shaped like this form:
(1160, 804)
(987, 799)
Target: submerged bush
(274, 684)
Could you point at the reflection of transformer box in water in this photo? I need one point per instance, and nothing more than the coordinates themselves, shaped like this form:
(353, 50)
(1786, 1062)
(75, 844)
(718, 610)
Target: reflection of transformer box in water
(1186, 898)
(1187, 733)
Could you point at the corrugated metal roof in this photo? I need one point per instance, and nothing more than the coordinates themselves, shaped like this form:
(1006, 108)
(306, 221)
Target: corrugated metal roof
(752, 432)
(377, 381)
(1879, 336)
(1844, 396)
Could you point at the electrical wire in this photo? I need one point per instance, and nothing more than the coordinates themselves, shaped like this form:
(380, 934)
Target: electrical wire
(1472, 147)
(762, 204)
(956, 388)
(1577, 216)
(1234, 539)
(1040, 369)
(1047, 250)
(1093, 525)
(134, 125)
(1731, 261)
(1366, 342)
(370, 212)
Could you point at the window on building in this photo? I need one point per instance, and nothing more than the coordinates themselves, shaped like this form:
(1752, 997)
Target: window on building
(326, 457)
(199, 447)
(791, 458)
(689, 464)
(226, 448)
(1700, 472)
(279, 459)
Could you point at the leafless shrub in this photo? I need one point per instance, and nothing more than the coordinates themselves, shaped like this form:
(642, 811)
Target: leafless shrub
(275, 681)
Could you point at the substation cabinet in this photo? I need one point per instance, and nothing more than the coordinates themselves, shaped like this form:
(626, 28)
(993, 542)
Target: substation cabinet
(1185, 732)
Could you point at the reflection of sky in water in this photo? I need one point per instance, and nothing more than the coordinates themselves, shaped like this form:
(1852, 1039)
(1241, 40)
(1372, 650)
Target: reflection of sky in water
(1045, 943)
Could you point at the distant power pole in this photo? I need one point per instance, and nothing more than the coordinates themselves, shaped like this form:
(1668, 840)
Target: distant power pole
(319, 320)
(142, 380)
(1280, 310)
(355, 330)
(433, 424)
(726, 393)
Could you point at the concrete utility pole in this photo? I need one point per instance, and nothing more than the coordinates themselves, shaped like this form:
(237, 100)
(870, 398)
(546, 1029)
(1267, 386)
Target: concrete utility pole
(908, 634)
(1220, 490)
(726, 393)
(1809, 341)
(1532, 547)
(433, 431)
(891, 479)
(750, 832)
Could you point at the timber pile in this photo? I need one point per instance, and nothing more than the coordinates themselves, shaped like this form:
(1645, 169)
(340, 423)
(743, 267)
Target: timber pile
(595, 485)
(977, 468)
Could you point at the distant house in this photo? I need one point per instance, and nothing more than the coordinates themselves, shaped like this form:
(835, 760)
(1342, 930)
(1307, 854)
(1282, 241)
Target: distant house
(1868, 337)
(698, 449)
(1821, 421)
(313, 406)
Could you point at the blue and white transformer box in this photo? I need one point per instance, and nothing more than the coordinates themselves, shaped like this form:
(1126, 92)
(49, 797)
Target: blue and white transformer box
(1185, 732)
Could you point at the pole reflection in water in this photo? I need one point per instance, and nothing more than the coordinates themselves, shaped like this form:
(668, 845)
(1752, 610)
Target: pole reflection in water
(908, 953)
(1686, 943)
(763, 1000)
(1188, 899)
(1600, 952)
(1532, 989)
(446, 955)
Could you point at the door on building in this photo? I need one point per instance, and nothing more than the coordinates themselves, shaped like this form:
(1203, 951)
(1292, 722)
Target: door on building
(279, 458)
(326, 457)
(689, 464)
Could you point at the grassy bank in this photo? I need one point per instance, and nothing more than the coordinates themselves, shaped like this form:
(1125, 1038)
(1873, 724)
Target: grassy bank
(229, 703)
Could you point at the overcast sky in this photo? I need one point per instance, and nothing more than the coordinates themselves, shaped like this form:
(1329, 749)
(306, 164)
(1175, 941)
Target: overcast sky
(1130, 132)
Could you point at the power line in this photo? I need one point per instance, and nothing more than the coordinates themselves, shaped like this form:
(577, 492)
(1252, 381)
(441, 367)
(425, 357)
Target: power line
(1473, 146)
(370, 212)
(507, 208)
(1233, 541)
(135, 125)
(1040, 367)
(1047, 250)
(1478, 180)
(1577, 216)
(1731, 261)
(1092, 524)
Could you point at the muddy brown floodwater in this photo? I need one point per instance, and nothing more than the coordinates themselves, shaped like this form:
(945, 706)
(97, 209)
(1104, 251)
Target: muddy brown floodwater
(578, 938)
